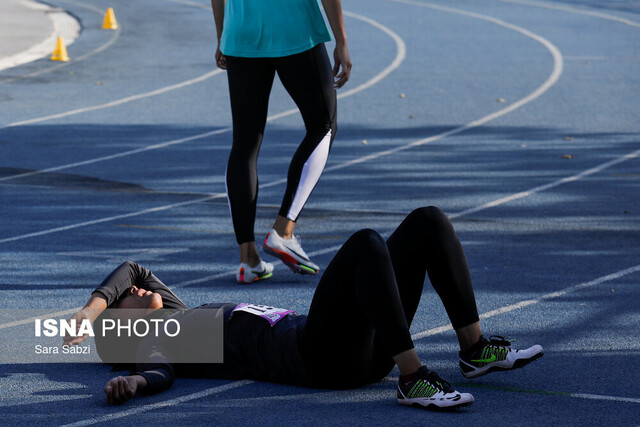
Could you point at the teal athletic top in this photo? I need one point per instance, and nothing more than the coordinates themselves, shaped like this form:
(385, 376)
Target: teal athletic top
(271, 28)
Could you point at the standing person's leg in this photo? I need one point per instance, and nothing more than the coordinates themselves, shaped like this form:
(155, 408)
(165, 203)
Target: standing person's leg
(308, 78)
(250, 81)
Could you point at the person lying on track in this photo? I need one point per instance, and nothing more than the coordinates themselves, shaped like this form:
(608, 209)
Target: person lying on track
(356, 330)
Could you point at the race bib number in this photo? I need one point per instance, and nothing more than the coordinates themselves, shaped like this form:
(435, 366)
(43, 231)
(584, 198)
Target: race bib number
(272, 314)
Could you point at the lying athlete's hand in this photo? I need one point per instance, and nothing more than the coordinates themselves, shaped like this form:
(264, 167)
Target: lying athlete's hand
(79, 317)
(120, 389)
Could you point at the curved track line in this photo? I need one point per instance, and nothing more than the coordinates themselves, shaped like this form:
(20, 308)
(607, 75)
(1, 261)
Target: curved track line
(523, 194)
(400, 56)
(117, 101)
(430, 332)
(401, 53)
(112, 40)
(574, 10)
(444, 328)
(555, 75)
(526, 303)
(172, 402)
(63, 25)
(111, 218)
(452, 216)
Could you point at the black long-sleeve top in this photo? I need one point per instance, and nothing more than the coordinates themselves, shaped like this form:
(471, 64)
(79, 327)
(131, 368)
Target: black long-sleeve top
(252, 347)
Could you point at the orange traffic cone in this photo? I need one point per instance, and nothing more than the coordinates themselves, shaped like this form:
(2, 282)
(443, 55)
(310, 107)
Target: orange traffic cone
(60, 52)
(109, 22)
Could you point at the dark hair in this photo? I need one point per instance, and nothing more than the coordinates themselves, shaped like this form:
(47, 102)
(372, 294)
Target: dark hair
(112, 349)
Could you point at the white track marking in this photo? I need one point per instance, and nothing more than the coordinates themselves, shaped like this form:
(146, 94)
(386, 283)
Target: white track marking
(46, 315)
(117, 155)
(433, 331)
(111, 41)
(117, 101)
(523, 194)
(194, 4)
(159, 405)
(575, 10)
(526, 303)
(601, 397)
(476, 209)
(236, 384)
(112, 218)
(400, 56)
(550, 81)
(230, 273)
(64, 25)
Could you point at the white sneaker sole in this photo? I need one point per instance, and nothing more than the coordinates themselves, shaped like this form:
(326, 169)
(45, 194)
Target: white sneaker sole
(459, 400)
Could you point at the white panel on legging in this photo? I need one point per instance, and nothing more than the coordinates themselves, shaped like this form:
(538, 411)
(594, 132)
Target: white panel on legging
(311, 172)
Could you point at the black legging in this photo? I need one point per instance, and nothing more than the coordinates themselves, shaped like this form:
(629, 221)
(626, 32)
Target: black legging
(367, 297)
(308, 78)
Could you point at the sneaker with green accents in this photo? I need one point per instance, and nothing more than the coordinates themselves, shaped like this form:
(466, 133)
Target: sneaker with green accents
(495, 354)
(426, 390)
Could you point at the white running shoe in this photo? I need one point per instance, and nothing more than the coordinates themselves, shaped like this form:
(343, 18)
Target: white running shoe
(496, 354)
(429, 391)
(248, 274)
(290, 252)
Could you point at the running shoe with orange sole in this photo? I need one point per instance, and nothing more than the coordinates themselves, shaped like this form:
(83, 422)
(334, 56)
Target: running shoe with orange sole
(290, 252)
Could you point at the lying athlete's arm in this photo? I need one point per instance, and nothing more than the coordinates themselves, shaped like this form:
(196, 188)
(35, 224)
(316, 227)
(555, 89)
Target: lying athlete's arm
(91, 310)
(111, 288)
(121, 389)
(130, 274)
(153, 376)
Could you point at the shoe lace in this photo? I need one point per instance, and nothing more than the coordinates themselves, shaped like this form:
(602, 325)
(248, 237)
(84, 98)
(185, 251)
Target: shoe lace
(437, 381)
(498, 341)
(296, 242)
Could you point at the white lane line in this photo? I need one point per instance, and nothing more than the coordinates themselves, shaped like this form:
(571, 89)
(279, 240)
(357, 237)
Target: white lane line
(334, 248)
(144, 408)
(526, 303)
(43, 316)
(63, 25)
(550, 81)
(551, 393)
(111, 218)
(401, 51)
(573, 178)
(117, 155)
(220, 389)
(194, 4)
(166, 403)
(117, 101)
(601, 397)
(575, 10)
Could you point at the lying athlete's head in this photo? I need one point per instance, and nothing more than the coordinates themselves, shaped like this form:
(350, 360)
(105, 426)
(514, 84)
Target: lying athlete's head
(138, 298)
(134, 304)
